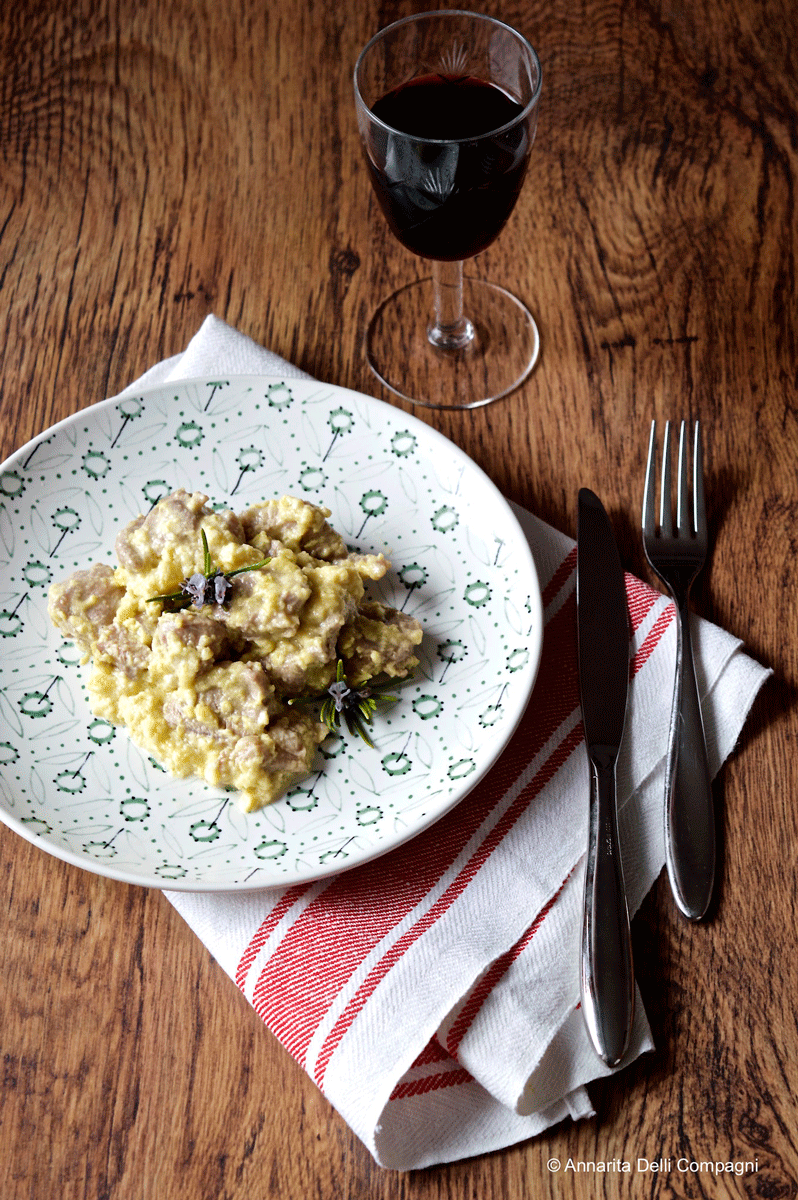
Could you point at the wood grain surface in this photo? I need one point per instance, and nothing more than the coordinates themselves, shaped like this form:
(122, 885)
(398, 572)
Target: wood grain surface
(161, 161)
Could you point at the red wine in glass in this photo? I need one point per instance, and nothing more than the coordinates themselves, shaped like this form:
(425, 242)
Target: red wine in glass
(447, 105)
(445, 188)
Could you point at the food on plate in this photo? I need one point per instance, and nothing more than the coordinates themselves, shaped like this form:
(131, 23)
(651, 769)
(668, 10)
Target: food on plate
(216, 627)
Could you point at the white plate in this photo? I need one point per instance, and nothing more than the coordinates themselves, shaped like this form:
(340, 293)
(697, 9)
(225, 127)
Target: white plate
(79, 789)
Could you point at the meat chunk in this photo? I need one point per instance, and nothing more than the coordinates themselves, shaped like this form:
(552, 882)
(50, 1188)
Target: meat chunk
(124, 646)
(260, 760)
(293, 523)
(185, 644)
(268, 603)
(159, 550)
(368, 566)
(274, 759)
(86, 603)
(294, 742)
(229, 701)
(287, 746)
(192, 629)
(171, 523)
(379, 640)
(306, 662)
(240, 696)
(89, 608)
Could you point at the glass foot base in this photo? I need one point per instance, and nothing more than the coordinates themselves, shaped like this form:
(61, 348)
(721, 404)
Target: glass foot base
(499, 357)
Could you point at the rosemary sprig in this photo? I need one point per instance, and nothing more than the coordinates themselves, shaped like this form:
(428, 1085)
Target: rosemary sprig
(356, 706)
(211, 586)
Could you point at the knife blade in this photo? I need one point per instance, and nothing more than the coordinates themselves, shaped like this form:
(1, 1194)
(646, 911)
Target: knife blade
(606, 971)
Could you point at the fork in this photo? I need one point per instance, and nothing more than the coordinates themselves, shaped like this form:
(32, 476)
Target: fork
(677, 557)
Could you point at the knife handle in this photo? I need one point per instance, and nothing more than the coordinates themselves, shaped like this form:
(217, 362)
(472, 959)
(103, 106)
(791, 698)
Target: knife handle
(607, 976)
(689, 807)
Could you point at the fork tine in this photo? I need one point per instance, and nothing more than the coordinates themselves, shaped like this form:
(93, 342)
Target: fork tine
(665, 516)
(649, 501)
(683, 497)
(699, 506)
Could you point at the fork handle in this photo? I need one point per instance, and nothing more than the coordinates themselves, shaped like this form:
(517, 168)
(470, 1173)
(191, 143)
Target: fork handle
(689, 810)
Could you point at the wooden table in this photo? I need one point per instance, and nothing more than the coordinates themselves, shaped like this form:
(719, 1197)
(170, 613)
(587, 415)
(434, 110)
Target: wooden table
(164, 161)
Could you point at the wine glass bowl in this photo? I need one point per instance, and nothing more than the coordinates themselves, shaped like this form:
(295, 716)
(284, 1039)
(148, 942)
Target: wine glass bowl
(447, 111)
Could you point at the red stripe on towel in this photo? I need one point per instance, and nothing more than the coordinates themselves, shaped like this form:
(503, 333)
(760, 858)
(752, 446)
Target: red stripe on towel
(640, 599)
(265, 930)
(432, 1052)
(653, 638)
(431, 1083)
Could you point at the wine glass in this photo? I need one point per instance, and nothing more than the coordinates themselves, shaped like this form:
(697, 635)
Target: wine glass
(447, 107)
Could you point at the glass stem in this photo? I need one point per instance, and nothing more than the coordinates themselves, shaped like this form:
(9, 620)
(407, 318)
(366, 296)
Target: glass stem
(450, 330)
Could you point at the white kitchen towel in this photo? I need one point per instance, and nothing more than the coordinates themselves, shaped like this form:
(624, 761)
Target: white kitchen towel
(432, 994)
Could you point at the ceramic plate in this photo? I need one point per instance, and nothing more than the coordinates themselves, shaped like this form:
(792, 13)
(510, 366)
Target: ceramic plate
(78, 788)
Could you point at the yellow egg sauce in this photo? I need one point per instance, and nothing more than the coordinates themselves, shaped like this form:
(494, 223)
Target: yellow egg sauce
(204, 685)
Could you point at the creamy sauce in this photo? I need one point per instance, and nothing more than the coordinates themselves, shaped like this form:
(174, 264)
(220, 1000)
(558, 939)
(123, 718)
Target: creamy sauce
(205, 689)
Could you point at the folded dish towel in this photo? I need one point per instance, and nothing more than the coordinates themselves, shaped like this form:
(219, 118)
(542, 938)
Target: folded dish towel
(432, 994)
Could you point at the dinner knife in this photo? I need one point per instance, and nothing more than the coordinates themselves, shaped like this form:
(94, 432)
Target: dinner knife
(607, 977)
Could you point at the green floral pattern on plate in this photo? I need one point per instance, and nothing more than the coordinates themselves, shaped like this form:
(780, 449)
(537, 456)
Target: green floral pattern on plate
(81, 790)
